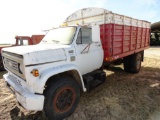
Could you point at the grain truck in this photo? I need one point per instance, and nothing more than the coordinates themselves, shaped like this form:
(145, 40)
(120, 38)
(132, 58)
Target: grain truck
(70, 59)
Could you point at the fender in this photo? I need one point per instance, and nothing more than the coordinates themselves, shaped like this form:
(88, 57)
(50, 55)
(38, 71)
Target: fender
(53, 71)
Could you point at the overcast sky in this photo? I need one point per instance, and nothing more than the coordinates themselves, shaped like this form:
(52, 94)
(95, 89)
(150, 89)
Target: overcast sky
(27, 17)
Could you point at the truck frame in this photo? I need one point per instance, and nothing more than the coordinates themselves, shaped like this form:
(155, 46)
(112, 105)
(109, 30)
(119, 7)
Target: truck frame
(51, 75)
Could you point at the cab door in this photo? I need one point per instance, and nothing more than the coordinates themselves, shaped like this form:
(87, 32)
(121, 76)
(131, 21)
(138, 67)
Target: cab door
(89, 53)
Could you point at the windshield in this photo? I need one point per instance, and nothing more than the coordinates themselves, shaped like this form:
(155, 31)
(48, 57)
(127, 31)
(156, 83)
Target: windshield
(63, 35)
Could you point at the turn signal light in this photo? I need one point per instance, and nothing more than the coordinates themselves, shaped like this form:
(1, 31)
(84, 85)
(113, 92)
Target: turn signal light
(35, 72)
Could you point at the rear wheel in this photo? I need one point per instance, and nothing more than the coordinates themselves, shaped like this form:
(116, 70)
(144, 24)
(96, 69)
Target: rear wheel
(135, 63)
(61, 98)
(126, 63)
(132, 63)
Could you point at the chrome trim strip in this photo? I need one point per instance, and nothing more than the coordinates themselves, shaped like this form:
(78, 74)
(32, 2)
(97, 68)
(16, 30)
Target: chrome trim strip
(44, 63)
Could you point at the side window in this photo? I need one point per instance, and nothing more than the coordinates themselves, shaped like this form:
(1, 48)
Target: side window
(20, 42)
(84, 36)
(25, 42)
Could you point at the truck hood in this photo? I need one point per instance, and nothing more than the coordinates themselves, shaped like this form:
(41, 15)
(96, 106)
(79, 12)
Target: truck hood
(39, 54)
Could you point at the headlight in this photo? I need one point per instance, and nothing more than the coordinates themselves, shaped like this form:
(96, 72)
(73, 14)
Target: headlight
(21, 68)
(4, 60)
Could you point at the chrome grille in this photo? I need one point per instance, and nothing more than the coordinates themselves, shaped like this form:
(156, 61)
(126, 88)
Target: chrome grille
(10, 64)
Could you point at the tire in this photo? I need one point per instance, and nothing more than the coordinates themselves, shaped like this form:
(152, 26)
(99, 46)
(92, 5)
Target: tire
(126, 63)
(61, 98)
(135, 63)
(107, 66)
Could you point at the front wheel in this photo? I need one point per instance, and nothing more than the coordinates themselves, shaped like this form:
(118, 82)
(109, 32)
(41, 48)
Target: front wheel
(61, 98)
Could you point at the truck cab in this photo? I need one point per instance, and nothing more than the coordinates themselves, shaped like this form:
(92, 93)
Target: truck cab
(70, 51)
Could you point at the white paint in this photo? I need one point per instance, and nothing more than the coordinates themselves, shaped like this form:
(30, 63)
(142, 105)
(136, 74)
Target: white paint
(99, 16)
(91, 58)
(24, 94)
(47, 73)
(96, 34)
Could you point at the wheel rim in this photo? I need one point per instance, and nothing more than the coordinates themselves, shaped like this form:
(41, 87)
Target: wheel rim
(64, 99)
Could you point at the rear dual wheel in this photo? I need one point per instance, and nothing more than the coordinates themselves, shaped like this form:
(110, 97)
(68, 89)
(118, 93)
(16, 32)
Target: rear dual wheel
(61, 98)
(135, 63)
(126, 63)
(132, 63)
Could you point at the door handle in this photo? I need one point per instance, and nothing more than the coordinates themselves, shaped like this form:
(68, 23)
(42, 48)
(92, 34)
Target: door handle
(98, 45)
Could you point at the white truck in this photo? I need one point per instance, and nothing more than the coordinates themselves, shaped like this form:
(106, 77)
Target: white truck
(49, 76)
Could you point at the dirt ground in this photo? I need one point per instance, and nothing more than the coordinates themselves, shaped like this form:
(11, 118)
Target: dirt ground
(122, 97)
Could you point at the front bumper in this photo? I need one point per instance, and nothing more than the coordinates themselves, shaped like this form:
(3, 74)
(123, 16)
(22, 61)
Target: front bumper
(28, 99)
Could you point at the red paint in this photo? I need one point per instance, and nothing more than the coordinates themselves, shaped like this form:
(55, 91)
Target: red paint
(34, 39)
(120, 40)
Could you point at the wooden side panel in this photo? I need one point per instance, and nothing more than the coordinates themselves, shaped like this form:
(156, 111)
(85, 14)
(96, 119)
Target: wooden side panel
(37, 38)
(121, 40)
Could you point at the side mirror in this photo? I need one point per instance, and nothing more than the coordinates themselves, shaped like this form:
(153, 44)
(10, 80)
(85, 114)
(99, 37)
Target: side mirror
(95, 33)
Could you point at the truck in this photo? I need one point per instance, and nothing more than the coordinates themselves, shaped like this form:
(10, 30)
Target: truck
(71, 59)
(21, 40)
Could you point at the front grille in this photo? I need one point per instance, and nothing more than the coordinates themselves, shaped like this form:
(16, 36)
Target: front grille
(11, 64)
